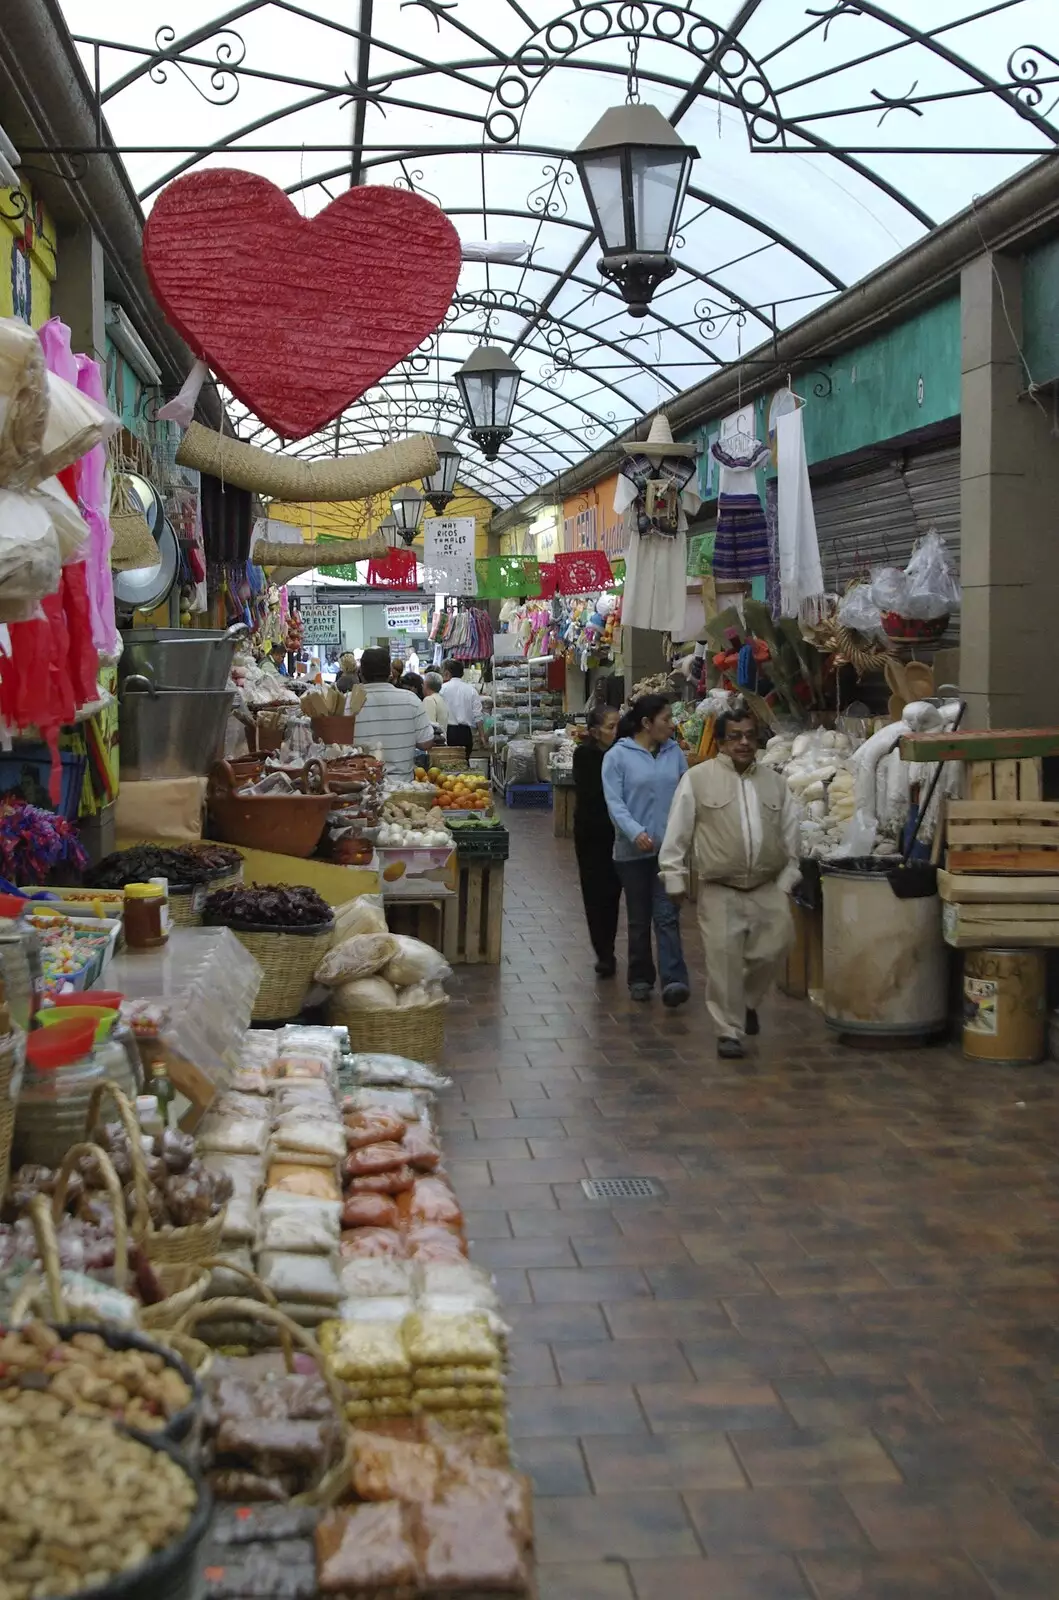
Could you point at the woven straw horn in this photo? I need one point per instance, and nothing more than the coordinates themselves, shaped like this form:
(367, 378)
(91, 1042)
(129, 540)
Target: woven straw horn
(320, 553)
(245, 466)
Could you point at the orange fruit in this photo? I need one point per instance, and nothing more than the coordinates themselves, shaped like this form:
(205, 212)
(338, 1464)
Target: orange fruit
(395, 870)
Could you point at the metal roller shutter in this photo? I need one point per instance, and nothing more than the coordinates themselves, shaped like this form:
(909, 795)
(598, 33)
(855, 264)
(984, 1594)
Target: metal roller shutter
(871, 515)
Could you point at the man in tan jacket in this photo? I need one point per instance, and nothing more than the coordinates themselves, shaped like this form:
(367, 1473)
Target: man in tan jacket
(736, 822)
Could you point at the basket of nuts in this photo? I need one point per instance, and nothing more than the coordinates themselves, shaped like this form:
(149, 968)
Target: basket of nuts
(90, 1510)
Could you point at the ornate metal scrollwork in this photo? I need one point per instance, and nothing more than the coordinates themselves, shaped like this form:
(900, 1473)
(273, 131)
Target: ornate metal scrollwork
(897, 102)
(436, 8)
(842, 9)
(228, 55)
(634, 20)
(714, 318)
(548, 199)
(1024, 71)
(413, 181)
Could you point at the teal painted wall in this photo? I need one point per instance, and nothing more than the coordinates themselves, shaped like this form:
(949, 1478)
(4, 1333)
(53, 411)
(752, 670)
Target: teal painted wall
(876, 387)
(1040, 311)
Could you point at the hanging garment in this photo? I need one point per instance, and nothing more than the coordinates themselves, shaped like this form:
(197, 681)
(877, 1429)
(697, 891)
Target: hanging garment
(772, 587)
(740, 551)
(655, 564)
(801, 578)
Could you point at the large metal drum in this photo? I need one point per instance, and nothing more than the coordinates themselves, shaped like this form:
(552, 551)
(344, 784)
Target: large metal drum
(885, 962)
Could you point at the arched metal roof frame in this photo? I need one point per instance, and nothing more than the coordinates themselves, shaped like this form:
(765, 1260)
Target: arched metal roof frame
(720, 79)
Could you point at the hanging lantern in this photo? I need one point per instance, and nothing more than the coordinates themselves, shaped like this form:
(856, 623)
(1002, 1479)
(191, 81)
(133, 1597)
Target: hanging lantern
(406, 508)
(488, 383)
(635, 169)
(388, 528)
(440, 485)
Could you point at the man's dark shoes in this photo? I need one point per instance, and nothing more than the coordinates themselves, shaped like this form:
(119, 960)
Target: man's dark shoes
(753, 1026)
(606, 969)
(730, 1049)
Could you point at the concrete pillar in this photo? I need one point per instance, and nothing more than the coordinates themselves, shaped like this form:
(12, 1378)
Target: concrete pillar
(78, 294)
(642, 653)
(1009, 513)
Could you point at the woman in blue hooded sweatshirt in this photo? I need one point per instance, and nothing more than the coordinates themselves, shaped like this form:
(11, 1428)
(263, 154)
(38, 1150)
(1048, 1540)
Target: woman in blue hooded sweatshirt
(640, 776)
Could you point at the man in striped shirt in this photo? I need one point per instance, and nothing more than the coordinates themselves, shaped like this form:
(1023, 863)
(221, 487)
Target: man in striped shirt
(392, 723)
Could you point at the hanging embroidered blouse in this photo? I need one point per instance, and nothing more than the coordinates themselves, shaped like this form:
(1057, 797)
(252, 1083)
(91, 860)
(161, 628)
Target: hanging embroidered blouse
(657, 487)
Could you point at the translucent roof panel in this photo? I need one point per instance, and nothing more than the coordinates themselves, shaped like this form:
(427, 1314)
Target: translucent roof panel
(831, 135)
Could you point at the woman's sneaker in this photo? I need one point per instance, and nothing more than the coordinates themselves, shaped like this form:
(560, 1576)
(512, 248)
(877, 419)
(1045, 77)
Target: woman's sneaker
(640, 991)
(675, 994)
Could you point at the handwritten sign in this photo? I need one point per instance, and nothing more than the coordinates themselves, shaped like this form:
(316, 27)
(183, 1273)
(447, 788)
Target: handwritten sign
(320, 625)
(448, 555)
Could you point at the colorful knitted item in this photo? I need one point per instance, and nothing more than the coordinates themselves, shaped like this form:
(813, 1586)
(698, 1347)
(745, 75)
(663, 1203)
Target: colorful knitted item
(741, 550)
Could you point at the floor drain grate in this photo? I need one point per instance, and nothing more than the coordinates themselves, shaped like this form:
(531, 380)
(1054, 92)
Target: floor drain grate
(623, 1189)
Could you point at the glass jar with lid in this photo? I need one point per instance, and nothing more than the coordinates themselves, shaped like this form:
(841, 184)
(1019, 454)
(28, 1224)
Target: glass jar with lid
(62, 1069)
(145, 904)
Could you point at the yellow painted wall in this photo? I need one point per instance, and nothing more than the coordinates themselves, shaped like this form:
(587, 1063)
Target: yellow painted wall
(27, 239)
(356, 519)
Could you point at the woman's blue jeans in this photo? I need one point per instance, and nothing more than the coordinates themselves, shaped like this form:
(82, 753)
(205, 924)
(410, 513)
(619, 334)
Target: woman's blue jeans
(646, 902)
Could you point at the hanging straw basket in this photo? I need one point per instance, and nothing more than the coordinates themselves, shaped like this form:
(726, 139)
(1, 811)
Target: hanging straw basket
(9, 1066)
(288, 957)
(417, 1031)
(247, 466)
(335, 1478)
(169, 1246)
(134, 544)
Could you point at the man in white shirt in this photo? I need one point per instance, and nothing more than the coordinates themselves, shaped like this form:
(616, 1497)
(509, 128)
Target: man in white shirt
(465, 707)
(736, 822)
(393, 722)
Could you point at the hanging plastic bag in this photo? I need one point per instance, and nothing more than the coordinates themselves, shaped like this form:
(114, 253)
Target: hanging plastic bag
(932, 587)
(859, 610)
(889, 589)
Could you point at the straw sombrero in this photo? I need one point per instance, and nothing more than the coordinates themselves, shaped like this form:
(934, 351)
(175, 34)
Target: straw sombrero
(659, 442)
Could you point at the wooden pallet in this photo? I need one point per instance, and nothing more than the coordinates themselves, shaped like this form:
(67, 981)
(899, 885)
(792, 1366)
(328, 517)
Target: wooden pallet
(478, 916)
(1003, 836)
(563, 810)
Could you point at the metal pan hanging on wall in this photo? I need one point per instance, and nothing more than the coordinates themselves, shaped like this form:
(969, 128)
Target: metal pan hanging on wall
(144, 588)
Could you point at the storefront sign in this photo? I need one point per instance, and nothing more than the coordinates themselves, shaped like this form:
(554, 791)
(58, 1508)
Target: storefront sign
(407, 614)
(320, 625)
(448, 555)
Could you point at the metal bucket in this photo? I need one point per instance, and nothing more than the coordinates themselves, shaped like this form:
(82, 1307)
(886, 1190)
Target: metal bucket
(180, 658)
(171, 733)
(885, 962)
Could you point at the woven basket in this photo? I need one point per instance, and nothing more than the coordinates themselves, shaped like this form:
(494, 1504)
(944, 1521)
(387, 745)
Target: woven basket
(8, 1097)
(418, 1031)
(288, 958)
(168, 1246)
(182, 910)
(335, 1479)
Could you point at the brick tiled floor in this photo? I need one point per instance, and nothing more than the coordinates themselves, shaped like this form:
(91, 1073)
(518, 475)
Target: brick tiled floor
(824, 1365)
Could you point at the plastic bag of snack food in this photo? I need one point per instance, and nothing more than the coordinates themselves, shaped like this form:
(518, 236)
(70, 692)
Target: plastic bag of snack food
(459, 1278)
(366, 994)
(360, 956)
(370, 1127)
(309, 1136)
(246, 1175)
(415, 962)
(394, 1469)
(360, 1350)
(371, 1277)
(397, 1181)
(434, 1341)
(322, 1213)
(365, 914)
(396, 1071)
(470, 1397)
(251, 1080)
(398, 1102)
(234, 1103)
(239, 1136)
(291, 1276)
(319, 1183)
(383, 1308)
(301, 1232)
(431, 1200)
(435, 1241)
(301, 1064)
(370, 1213)
(381, 1157)
(468, 1543)
(293, 1093)
(421, 1148)
(454, 1377)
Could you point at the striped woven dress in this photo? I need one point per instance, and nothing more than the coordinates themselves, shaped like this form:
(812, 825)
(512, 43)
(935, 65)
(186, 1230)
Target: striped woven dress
(741, 551)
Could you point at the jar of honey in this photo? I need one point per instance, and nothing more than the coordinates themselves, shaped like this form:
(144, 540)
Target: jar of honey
(144, 906)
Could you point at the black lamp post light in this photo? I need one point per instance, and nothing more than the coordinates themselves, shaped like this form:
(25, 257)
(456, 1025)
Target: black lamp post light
(635, 169)
(488, 383)
(440, 486)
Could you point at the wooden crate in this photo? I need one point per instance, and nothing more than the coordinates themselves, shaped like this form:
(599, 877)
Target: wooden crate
(477, 915)
(563, 811)
(983, 888)
(803, 972)
(981, 744)
(425, 918)
(1005, 780)
(1007, 924)
(1018, 836)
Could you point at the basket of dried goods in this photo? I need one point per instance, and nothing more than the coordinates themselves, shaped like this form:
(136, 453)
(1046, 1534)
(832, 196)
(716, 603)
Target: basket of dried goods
(93, 1511)
(277, 1437)
(192, 871)
(289, 823)
(176, 1205)
(286, 929)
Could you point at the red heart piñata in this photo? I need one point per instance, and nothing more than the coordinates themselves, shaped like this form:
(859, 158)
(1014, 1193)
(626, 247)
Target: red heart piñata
(298, 316)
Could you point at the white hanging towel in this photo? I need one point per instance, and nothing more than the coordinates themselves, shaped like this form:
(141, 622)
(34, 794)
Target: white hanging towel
(801, 578)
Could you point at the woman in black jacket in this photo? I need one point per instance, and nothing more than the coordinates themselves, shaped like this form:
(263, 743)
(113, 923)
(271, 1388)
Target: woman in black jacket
(594, 838)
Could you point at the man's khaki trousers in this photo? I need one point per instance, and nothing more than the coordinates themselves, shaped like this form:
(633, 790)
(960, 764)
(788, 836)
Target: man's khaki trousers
(745, 934)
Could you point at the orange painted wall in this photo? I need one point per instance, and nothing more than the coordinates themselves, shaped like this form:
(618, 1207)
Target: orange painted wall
(590, 522)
